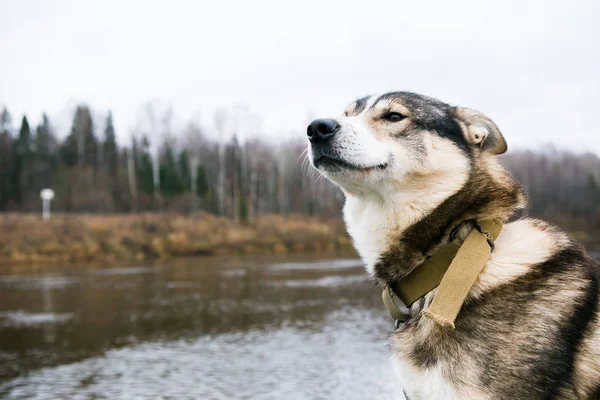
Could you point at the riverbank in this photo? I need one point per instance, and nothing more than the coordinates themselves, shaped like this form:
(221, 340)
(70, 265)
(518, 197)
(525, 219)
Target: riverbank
(584, 230)
(113, 238)
(110, 238)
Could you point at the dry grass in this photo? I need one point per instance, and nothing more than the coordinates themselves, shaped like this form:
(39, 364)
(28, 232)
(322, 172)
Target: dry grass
(104, 238)
(26, 239)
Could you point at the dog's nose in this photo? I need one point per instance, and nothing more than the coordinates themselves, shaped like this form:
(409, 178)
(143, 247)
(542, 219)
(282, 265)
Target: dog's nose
(322, 129)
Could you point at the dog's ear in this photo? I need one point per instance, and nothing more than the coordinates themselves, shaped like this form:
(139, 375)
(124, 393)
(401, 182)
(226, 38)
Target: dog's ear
(479, 130)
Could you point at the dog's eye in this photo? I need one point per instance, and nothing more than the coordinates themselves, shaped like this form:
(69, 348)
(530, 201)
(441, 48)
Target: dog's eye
(392, 116)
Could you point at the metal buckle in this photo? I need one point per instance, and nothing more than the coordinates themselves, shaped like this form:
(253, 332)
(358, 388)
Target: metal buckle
(486, 234)
(393, 308)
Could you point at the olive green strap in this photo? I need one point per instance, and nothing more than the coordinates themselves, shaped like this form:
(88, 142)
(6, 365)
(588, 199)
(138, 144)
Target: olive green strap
(388, 300)
(419, 282)
(462, 266)
(426, 277)
(462, 274)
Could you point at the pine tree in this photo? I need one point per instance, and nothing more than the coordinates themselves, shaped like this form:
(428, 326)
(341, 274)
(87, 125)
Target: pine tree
(172, 183)
(144, 166)
(6, 159)
(129, 159)
(45, 159)
(22, 177)
(91, 143)
(183, 168)
(24, 143)
(109, 148)
(44, 140)
(81, 190)
(81, 146)
(68, 150)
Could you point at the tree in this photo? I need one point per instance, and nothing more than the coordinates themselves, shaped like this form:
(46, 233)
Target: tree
(81, 146)
(233, 185)
(172, 181)
(157, 126)
(131, 175)
(144, 166)
(220, 125)
(80, 187)
(194, 138)
(6, 160)
(202, 185)
(45, 159)
(183, 169)
(109, 148)
(22, 172)
(90, 152)
(5, 122)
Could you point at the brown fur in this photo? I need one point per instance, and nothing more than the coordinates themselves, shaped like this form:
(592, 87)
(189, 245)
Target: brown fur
(483, 197)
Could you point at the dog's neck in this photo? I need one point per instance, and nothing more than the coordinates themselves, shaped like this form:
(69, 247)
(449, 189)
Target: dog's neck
(398, 233)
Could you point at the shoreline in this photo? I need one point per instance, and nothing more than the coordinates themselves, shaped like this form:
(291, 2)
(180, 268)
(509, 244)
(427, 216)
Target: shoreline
(113, 238)
(68, 239)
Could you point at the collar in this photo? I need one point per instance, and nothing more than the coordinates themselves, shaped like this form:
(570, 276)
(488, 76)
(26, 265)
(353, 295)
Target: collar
(453, 270)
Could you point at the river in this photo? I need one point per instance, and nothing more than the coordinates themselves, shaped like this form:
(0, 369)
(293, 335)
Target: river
(302, 327)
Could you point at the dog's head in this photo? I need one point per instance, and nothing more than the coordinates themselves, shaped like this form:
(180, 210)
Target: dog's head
(413, 170)
(388, 142)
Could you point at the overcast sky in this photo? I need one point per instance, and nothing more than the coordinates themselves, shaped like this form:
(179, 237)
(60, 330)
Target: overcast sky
(532, 66)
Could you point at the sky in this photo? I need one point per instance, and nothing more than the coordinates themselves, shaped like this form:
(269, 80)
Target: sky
(533, 67)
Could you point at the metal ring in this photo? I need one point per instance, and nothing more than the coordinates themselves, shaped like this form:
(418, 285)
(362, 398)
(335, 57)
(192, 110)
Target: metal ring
(397, 324)
(491, 243)
(388, 300)
(486, 234)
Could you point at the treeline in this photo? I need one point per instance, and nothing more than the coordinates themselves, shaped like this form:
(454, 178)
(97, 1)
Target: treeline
(161, 170)
(561, 186)
(186, 171)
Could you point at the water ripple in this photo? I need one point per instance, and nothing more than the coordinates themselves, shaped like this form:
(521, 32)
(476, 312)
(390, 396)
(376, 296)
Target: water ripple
(342, 361)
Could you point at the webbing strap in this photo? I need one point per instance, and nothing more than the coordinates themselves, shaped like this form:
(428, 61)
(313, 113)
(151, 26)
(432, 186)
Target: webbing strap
(462, 274)
(453, 270)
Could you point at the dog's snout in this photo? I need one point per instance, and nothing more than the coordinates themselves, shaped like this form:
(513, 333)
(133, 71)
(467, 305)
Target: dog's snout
(321, 130)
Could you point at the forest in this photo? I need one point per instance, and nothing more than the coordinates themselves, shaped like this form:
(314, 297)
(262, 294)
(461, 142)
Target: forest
(188, 170)
(160, 170)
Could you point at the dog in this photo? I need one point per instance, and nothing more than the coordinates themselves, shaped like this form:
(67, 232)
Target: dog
(413, 170)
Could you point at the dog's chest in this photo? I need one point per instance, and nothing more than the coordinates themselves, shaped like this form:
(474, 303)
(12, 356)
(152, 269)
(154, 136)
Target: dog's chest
(368, 226)
(434, 364)
(431, 383)
(422, 384)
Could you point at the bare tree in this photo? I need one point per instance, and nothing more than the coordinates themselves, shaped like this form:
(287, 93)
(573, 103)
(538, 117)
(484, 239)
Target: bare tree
(157, 121)
(153, 135)
(131, 179)
(194, 139)
(220, 125)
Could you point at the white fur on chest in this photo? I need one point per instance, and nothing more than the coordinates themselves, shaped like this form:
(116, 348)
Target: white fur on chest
(417, 384)
(368, 225)
(429, 384)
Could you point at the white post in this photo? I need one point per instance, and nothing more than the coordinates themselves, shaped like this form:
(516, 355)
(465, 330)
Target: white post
(46, 195)
(45, 209)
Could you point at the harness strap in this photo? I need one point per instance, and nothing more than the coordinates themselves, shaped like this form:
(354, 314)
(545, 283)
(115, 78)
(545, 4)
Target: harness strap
(453, 270)
(462, 274)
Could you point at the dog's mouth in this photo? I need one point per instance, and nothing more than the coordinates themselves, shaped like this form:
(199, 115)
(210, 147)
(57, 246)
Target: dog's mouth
(332, 164)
